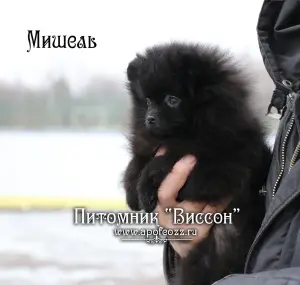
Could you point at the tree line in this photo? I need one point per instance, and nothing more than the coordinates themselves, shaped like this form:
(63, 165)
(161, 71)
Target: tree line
(102, 104)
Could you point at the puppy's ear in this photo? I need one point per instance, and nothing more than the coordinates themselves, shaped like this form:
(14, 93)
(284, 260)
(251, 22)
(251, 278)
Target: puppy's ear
(133, 68)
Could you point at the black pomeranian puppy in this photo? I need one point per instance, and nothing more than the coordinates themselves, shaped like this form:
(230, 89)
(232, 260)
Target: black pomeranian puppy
(193, 99)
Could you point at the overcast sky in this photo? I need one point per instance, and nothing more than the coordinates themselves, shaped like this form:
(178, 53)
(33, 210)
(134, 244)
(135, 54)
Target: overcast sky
(121, 28)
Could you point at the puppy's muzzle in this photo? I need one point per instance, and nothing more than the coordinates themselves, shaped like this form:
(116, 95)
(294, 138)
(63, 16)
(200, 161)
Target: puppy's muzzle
(151, 121)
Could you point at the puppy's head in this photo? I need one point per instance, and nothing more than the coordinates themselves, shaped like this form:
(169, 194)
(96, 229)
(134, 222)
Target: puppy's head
(170, 83)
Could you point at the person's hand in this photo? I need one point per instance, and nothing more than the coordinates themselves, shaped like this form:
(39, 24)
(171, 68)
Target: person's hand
(167, 194)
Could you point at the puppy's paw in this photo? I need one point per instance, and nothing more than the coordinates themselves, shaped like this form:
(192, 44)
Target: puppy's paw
(132, 200)
(147, 194)
(130, 180)
(150, 180)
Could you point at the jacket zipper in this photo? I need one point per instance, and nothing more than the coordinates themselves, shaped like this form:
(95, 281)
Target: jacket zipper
(283, 149)
(295, 156)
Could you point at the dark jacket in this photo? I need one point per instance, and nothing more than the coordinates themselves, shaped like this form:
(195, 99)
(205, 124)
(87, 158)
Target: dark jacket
(274, 257)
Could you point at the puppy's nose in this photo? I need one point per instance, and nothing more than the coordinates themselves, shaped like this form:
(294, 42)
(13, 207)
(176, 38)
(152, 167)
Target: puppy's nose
(151, 120)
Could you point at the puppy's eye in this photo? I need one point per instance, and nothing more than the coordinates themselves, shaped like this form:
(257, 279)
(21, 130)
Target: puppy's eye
(172, 101)
(148, 102)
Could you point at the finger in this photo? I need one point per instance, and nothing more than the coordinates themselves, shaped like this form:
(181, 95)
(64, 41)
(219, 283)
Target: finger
(174, 181)
(218, 208)
(161, 151)
(164, 219)
(192, 207)
(202, 232)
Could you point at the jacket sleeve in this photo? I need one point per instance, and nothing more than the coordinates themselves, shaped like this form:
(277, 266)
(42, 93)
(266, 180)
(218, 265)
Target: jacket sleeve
(170, 258)
(286, 276)
(279, 40)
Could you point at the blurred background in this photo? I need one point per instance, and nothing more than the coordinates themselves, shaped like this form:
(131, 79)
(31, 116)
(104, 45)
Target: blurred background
(63, 116)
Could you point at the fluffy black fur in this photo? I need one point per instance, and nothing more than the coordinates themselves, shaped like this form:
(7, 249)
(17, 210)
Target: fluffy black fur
(193, 99)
